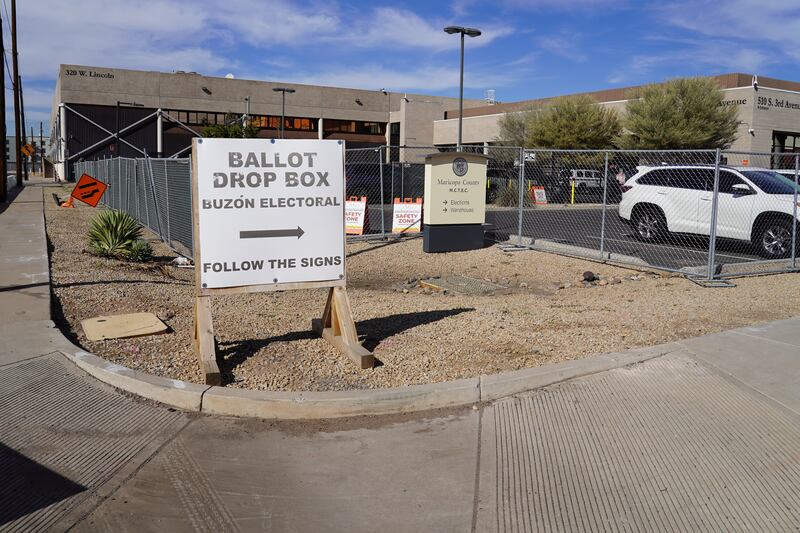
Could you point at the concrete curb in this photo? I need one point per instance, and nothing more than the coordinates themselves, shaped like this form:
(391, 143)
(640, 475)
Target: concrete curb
(743, 268)
(579, 252)
(336, 404)
(294, 405)
(496, 386)
(180, 394)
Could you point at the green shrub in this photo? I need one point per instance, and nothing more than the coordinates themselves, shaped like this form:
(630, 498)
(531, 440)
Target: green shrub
(509, 196)
(114, 234)
(140, 251)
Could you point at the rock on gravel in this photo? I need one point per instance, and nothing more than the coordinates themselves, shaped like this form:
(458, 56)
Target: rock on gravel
(264, 340)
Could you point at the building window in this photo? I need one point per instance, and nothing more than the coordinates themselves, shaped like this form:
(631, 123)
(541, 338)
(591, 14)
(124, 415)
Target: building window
(290, 123)
(784, 142)
(354, 126)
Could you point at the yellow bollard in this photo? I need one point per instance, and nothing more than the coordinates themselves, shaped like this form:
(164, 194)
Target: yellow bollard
(572, 195)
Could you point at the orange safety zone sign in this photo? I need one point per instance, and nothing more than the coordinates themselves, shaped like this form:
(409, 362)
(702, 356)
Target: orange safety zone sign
(407, 215)
(355, 215)
(89, 190)
(537, 194)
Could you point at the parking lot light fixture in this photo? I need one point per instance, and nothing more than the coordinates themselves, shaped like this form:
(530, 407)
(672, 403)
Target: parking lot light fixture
(283, 91)
(472, 32)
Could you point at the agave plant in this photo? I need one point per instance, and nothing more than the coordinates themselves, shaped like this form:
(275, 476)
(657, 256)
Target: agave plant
(140, 251)
(113, 234)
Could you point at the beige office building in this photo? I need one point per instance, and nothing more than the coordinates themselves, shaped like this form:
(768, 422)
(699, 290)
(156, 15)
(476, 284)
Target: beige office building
(769, 115)
(104, 112)
(107, 112)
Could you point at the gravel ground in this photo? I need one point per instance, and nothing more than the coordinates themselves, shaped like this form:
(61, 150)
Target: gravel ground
(265, 342)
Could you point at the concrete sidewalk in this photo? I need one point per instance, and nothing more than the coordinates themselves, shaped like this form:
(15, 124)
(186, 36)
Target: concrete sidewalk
(705, 438)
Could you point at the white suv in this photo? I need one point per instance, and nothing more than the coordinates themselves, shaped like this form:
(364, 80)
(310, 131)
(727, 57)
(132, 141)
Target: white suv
(755, 205)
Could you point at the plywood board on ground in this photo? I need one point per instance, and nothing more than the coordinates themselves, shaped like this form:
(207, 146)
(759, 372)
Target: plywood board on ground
(121, 326)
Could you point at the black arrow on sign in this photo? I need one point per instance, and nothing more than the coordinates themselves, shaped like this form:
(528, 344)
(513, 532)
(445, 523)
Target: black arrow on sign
(269, 233)
(89, 194)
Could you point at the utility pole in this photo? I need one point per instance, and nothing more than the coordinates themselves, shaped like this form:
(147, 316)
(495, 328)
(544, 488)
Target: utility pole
(22, 118)
(33, 155)
(41, 148)
(4, 158)
(15, 78)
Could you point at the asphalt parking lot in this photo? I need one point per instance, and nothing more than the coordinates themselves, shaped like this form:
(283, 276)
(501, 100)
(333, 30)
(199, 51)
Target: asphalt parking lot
(581, 225)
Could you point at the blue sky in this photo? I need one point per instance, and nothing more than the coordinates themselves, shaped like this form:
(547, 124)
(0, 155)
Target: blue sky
(530, 48)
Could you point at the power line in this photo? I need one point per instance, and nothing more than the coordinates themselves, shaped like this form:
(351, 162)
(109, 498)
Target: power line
(5, 58)
(7, 18)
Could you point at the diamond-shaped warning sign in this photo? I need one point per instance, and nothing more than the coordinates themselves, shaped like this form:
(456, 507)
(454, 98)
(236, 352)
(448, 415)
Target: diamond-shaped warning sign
(89, 190)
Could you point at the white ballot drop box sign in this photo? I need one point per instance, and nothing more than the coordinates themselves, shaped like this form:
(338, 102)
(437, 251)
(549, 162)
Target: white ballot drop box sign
(269, 212)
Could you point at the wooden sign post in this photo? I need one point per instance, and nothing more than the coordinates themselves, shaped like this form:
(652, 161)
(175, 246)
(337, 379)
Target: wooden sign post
(268, 215)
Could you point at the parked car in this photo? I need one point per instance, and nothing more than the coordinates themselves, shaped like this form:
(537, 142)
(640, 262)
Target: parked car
(583, 178)
(755, 205)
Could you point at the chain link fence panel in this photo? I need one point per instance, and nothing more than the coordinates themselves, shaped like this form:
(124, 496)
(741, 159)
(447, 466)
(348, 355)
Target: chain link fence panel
(156, 192)
(753, 207)
(704, 213)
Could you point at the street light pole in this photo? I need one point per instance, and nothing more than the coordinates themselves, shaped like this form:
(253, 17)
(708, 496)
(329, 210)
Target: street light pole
(472, 32)
(461, 93)
(388, 132)
(283, 91)
(246, 117)
(15, 85)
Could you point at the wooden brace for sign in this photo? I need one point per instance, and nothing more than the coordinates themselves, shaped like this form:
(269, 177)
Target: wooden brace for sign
(338, 328)
(204, 340)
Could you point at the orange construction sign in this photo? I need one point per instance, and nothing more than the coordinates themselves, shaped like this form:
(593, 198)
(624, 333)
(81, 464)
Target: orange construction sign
(89, 190)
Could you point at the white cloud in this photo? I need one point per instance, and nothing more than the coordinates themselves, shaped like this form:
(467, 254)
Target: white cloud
(34, 97)
(207, 36)
(379, 27)
(709, 36)
(564, 5)
(429, 76)
(700, 56)
(769, 21)
(567, 45)
(276, 21)
(400, 27)
(426, 78)
(158, 34)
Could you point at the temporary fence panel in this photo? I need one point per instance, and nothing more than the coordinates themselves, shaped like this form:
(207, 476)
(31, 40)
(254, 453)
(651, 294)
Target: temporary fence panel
(156, 192)
(755, 214)
(705, 213)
